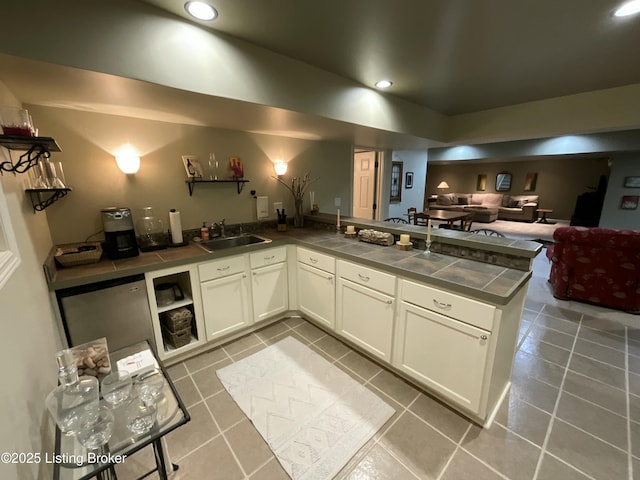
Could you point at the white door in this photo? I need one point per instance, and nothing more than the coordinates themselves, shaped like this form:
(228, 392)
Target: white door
(270, 291)
(442, 353)
(364, 183)
(316, 294)
(226, 305)
(365, 317)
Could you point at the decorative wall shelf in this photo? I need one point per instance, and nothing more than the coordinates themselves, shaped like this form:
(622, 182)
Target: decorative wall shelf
(35, 147)
(191, 182)
(41, 198)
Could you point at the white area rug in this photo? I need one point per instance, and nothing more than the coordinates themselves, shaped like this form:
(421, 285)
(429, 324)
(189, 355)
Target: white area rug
(312, 414)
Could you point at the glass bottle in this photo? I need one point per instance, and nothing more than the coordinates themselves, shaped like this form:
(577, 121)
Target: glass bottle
(149, 229)
(74, 396)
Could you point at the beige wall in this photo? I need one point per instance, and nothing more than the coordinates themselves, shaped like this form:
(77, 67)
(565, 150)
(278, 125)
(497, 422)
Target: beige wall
(88, 140)
(29, 335)
(560, 180)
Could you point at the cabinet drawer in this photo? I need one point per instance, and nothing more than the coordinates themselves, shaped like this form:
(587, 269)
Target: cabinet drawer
(268, 257)
(383, 282)
(318, 260)
(221, 268)
(461, 308)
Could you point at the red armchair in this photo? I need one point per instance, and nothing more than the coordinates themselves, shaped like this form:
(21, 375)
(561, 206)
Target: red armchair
(596, 265)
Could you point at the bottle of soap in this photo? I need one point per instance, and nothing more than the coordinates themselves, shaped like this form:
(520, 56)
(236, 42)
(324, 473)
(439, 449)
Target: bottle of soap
(204, 232)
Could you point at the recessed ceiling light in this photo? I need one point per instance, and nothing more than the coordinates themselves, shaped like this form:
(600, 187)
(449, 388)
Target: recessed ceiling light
(628, 8)
(384, 84)
(201, 10)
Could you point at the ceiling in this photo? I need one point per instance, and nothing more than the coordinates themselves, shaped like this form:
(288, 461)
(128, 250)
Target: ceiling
(453, 56)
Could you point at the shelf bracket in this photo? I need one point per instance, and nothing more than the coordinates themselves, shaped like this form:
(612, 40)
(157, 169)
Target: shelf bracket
(239, 184)
(43, 198)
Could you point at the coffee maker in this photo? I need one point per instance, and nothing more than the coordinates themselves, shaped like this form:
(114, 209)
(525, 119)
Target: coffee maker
(120, 238)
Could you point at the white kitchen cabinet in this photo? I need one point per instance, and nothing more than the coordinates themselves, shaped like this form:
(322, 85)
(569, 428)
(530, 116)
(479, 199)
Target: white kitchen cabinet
(365, 308)
(226, 299)
(186, 278)
(316, 286)
(444, 354)
(269, 283)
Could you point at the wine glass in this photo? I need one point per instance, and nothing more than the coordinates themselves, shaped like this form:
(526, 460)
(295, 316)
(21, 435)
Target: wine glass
(213, 167)
(140, 416)
(150, 386)
(116, 388)
(95, 427)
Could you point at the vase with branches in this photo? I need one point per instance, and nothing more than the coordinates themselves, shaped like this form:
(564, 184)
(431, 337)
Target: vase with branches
(298, 187)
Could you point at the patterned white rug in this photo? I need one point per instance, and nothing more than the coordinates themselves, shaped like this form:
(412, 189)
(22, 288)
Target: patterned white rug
(313, 415)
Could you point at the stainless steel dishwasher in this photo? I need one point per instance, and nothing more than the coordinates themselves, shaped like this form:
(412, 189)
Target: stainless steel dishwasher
(116, 309)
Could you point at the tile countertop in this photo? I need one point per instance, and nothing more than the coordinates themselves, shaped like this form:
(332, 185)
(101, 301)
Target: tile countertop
(478, 280)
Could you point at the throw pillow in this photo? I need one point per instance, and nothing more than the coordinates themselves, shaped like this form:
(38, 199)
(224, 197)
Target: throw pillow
(514, 204)
(444, 200)
(463, 201)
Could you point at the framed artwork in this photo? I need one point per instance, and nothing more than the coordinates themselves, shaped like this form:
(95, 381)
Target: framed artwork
(408, 180)
(236, 166)
(396, 182)
(629, 202)
(192, 166)
(530, 182)
(503, 182)
(632, 182)
(481, 184)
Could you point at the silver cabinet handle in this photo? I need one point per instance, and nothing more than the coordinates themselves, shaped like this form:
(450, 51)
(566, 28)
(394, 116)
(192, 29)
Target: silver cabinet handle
(244, 275)
(270, 258)
(330, 277)
(483, 337)
(364, 277)
(222, 269)
(443, 306)
(313, 260)
(389, 302)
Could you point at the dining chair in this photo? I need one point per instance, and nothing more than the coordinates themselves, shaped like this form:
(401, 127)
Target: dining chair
(395, 220)
(410, 213)
(420, 218)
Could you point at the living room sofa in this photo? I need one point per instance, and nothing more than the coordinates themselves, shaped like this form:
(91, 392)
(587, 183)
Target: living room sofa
(499, 206)
(596, 265)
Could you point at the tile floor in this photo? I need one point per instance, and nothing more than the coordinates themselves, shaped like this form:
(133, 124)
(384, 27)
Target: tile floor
(573, 411)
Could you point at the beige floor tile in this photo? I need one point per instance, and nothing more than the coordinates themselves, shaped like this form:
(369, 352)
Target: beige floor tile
(213, 461)
(395, 387)
(599, 371)
(545, 351)
(248, 352)
(309, 331)
(561, 325)
(379, 464)
(187, 391)
(587, 453)
(206, 359)
(360, 364)
(271, 471)
(333, 347)
(272, 330)
(603, 338)
(526, 365)
(242, 344)
(440, 416)
(190, 436)
(553, 469)
(177, 371)
(464, 466)
(406, 440)
(526, 420)
(609, 355)
(595, 420)
(596, 392)
(553, 337)
(536, 393)
(635, 438)
(250, 448)
(561, 312)
(225, 410)
(504, 451)
(207, 381)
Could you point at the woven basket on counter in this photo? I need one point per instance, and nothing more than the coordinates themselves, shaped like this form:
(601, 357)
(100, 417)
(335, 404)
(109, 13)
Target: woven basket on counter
(177, 339)
(72, 254)
(177, 319)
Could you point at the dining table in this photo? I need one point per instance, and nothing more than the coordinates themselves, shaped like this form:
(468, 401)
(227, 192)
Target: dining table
(449, 216)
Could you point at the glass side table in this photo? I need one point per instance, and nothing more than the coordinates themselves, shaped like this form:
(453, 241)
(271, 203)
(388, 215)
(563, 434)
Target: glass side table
(74, 462)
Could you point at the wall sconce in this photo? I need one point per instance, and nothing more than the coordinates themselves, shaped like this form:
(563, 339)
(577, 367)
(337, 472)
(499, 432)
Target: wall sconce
(128, 160)
(280, 167)
(443, 185)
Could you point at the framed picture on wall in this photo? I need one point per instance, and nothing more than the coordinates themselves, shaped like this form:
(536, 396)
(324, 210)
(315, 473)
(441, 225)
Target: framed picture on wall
(481, 184)
(629, 202)
(396, 182)
(408, 180)
(631, 182)
(192, 166)
(530, 182)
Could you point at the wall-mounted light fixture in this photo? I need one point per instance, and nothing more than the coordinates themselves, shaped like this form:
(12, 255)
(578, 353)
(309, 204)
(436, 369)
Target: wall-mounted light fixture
(443, 185)
(128, 159)
(201, 10)
(280, 167)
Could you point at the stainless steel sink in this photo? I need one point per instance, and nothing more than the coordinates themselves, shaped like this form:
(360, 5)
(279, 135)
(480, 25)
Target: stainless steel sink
(222, 243)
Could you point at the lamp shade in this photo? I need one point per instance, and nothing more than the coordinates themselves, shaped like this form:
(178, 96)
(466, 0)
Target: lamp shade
(280, 168)
(128, 159)
(443, 185)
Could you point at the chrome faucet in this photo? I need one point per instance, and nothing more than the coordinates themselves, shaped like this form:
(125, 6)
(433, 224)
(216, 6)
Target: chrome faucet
(221, 226)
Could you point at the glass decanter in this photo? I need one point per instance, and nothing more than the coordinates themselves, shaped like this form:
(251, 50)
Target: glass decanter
(74, 396)
(149, 229)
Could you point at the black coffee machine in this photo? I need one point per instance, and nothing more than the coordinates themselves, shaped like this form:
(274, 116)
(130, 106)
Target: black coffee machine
(120, 238)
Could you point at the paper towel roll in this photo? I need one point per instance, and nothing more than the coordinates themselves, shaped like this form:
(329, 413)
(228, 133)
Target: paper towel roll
(262, 205)
(175, 224)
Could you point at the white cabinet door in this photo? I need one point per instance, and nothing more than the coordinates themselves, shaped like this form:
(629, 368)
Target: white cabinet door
(365, 317)
(316, 294)
(226, 305)
(444, 354)
(270, 291)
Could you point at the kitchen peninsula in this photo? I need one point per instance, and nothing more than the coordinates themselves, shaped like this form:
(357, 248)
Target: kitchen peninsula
(446, 322)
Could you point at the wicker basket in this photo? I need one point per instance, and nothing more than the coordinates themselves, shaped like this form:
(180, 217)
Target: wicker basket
(177, 319)
(72, 254)
(177, 339)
